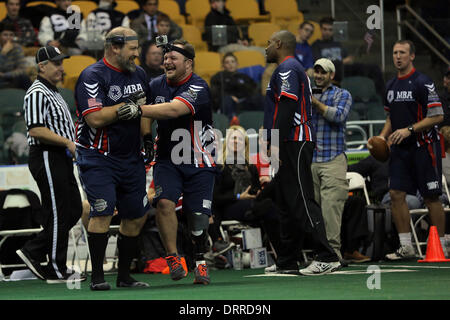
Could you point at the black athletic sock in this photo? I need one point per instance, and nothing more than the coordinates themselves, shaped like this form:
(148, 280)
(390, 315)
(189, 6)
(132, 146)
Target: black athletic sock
(97, 248)
(127, 251)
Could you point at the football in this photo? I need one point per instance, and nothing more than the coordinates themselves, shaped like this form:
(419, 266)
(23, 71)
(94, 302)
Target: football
(380, 149)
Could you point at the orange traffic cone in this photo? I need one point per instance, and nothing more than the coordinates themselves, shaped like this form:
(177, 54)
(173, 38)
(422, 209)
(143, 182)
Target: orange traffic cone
(434, 248)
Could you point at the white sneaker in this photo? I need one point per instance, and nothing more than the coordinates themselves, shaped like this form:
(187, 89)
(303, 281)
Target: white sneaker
(271, 269)
(404, 252)
(317, 268)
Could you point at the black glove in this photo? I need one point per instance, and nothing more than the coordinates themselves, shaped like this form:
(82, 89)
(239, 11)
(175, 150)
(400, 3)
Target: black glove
(149, 149)
(138, 98)
(129, 111)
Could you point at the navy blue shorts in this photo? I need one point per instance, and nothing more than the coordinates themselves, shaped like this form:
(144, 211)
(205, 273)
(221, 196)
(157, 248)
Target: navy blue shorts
(412, 168)
(110, 183)
(195, 184)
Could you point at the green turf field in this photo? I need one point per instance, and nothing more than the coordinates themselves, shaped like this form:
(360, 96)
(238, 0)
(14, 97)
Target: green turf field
(396, 281)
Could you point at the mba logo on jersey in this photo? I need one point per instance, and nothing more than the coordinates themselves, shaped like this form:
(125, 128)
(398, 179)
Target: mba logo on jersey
(115, 93)
(399, 96)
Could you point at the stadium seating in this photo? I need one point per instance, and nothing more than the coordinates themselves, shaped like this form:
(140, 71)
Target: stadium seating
(248, 58)
(197, 11)
(126, 6)
(220, 122)
(260, 32)
(361, 88)
(317, 34)
(3, 11)
(251, 119)
(193, 35)
(20, 126)
(172, 9)
(69, 97)
(2, 143)
(11, 102)
(85, 6)
(207, 64)
(245, 11)
(293, 25)
(37, 3)
(73, 67)
(282, 12)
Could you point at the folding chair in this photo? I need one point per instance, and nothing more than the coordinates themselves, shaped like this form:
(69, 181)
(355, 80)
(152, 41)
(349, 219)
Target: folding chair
(422, 215)
(355, 182)
(15, 201)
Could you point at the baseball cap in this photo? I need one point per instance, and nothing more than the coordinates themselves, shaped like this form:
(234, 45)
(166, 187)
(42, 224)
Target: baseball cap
(326, 64)
(50, 53)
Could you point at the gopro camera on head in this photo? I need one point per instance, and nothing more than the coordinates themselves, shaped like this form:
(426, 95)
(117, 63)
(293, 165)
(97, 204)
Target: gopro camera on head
(161, 41)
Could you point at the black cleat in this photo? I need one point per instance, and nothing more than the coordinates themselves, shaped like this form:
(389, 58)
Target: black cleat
(131, 283)
(102, 286)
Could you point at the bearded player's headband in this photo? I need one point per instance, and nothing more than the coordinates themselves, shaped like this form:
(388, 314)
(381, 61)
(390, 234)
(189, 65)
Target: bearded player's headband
(121, 39)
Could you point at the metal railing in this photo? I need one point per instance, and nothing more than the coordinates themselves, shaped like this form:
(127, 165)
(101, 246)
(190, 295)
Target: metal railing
(365, 128)
(418, 34)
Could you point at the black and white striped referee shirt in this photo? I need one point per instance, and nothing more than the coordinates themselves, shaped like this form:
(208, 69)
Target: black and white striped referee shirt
(45, 107)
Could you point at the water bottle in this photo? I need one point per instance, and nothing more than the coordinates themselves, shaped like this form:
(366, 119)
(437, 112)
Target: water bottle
(237, 258)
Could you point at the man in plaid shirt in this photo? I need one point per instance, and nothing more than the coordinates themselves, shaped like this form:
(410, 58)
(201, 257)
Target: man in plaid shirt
(331, 106)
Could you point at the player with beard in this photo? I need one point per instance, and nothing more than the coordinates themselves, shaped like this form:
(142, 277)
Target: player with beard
(181, 103)
(109, 155)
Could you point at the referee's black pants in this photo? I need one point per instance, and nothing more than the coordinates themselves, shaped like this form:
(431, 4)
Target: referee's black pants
(300, 213)
(52, 170)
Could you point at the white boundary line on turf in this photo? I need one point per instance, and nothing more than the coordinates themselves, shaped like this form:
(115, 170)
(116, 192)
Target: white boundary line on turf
(404, 266)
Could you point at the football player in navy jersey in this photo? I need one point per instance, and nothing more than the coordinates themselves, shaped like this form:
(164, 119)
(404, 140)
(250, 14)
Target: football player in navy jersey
(413, 113)
(181, 103)
(109, 155)
(288, 110)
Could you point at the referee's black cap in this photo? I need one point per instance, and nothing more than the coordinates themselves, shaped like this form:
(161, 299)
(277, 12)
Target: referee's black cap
(50, 53)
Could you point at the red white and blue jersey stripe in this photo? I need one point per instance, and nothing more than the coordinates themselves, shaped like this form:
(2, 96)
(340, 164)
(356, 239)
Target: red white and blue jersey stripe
(196, 128)
(290, 80)
(408, 100)
(99, 86)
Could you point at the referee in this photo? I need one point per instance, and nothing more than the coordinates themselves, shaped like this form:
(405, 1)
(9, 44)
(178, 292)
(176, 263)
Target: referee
(50, 134)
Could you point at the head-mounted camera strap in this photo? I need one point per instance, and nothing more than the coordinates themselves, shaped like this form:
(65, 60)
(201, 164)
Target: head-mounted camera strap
(170, 47)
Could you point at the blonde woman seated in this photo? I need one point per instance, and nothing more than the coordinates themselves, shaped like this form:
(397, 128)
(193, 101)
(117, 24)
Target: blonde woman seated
(237, 185)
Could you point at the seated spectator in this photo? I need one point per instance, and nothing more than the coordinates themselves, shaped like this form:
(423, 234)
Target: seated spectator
(152, 60)
(333, 50)
(237, 185)
(232, 91)
(12, 60)
(23, 28)
(219, 15)
(303, 49)
(163, 26)
(144, 22)
(96, 26)
(57, 30)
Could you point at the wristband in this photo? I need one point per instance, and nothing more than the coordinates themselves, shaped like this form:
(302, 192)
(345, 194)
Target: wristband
(238, 196)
